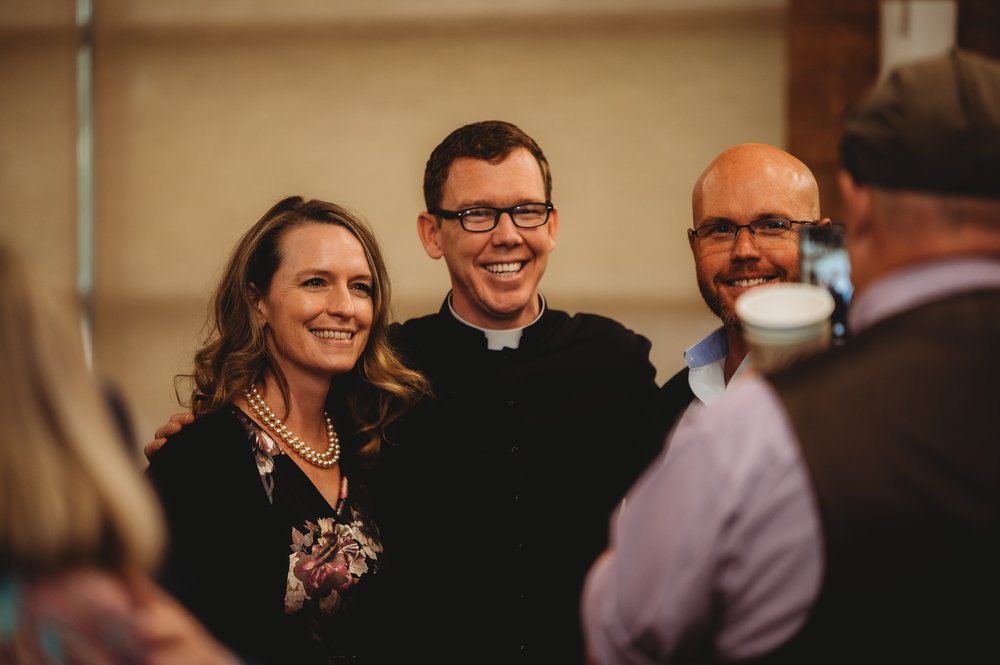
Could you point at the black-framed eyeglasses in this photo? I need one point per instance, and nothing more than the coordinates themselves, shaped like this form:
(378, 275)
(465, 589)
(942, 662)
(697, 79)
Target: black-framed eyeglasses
(765, 229)
(482, 218)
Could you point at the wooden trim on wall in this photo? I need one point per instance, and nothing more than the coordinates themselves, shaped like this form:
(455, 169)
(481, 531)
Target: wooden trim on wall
(833, 60)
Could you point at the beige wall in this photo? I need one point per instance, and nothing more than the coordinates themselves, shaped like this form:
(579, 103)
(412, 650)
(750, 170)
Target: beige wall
(204, 120)
(38, 135)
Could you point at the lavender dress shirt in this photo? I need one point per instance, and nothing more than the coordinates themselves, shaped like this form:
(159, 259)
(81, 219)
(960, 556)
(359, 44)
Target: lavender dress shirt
(716, 552)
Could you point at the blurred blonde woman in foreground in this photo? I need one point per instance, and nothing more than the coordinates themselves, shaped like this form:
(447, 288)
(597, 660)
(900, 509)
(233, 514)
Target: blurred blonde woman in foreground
(79, 530)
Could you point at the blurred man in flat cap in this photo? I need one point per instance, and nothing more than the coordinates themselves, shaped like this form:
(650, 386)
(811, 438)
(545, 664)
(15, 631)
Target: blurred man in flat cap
(847, 509)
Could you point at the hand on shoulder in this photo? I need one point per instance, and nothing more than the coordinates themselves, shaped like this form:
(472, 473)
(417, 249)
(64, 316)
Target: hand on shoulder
(171, 427)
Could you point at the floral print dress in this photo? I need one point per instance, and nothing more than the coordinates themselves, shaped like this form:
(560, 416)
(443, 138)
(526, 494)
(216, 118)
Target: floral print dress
(329, 555)
(259, 555)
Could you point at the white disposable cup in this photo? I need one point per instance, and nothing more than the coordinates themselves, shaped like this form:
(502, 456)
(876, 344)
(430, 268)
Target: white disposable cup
(784, 322)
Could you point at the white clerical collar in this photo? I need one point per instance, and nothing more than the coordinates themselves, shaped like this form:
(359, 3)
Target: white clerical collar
(497, 340)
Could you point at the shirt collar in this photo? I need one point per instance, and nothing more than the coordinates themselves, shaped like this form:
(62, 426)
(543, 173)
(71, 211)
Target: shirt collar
(707, 363)
(710, 349)
(497, 340)
(911, 287)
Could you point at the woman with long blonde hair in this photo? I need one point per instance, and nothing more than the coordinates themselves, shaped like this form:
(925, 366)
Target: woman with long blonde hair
(80, 531)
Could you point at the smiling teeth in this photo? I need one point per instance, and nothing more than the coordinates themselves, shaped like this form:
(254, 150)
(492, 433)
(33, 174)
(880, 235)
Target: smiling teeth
(332, 334)
(504, 268)
(749, 282)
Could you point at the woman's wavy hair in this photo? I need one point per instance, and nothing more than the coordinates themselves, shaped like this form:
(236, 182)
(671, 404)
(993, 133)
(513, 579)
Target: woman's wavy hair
(235, 355)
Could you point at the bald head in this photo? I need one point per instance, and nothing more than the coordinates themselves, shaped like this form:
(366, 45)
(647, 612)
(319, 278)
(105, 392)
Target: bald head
(755, 180)
(744, 184)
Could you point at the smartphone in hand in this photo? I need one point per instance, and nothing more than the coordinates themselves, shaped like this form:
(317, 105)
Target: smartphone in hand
(824, 261)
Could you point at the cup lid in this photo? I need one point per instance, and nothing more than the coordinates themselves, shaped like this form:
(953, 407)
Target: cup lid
(787, 311)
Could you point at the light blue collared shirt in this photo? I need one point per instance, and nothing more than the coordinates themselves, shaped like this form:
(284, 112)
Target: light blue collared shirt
(706, 361)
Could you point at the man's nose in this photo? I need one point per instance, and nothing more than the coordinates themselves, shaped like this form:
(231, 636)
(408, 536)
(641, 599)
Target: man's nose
(744, 244)
(506, 231)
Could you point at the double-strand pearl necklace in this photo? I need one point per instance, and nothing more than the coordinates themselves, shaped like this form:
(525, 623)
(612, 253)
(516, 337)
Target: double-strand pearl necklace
(324, 460)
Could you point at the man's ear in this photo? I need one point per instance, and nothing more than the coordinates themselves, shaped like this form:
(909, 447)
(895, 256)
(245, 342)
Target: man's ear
(553, 225)
(429, 230)
(861, 241)
(857, 204)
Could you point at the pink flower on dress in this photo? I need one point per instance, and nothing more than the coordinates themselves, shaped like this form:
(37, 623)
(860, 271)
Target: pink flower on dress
(323, 570)
(327, 560)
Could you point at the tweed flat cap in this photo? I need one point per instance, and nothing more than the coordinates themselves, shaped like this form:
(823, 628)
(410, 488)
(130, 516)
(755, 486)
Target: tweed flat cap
(932, 126)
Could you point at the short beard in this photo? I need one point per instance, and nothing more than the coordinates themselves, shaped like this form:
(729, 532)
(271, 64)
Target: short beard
(728, 316)
(714, 302)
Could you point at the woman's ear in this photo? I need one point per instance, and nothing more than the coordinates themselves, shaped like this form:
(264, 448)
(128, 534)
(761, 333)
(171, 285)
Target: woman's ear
(259, 304)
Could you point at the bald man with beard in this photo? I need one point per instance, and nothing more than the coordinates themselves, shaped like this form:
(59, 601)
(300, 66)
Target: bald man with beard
(748, 206)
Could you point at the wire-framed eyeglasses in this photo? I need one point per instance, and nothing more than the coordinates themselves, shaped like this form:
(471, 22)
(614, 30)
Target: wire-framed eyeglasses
(763, 230)
(483, 218)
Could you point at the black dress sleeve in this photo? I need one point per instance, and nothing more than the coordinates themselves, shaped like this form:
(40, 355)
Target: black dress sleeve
(216, 514)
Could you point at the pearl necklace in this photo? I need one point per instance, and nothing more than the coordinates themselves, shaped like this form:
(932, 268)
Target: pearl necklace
(324, 460)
